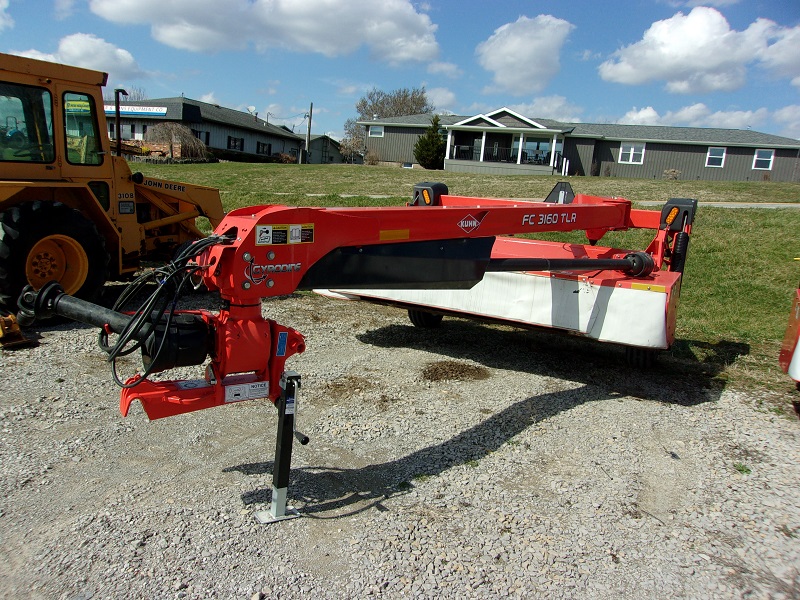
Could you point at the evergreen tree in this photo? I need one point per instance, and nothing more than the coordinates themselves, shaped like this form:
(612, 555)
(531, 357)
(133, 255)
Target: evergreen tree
(430, 148)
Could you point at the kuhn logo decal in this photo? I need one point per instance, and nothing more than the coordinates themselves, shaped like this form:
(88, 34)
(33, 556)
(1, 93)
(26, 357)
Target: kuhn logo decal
(471, 223)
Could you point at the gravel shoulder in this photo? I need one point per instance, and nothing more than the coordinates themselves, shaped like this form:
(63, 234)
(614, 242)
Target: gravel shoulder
(471, 461)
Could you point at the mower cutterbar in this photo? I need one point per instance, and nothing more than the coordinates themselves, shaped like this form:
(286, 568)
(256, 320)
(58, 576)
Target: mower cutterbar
(440, 242)
(577, 288)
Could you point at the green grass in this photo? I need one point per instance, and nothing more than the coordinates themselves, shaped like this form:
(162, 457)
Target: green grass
(739, 280)
(243, 184)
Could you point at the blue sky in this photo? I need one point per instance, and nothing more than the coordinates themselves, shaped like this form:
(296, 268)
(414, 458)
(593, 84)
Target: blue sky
(720, 63)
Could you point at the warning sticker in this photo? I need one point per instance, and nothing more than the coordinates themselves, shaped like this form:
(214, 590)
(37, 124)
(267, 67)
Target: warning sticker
(246, 391)
(271, 235)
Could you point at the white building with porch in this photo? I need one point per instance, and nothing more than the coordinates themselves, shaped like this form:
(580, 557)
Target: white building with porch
(505, 142)
(497, 142)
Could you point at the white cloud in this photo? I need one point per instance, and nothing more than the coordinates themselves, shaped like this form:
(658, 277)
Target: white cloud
(348, 89)
(209, 98)
(271, 112)
(550, 107)
(788, 118)
(63, 8)
(641, 116)
(524, 56)
(783, 57)
(392, 30)
(441, 98)
(6, 22)
(693, 53)
(91, 52)
(697, 115)
(445, 68)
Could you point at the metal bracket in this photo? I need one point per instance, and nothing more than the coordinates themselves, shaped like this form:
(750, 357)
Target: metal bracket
(290, 386)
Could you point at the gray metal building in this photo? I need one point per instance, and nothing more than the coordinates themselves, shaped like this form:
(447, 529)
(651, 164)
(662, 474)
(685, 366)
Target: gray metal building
(229, 133)
(324, 150)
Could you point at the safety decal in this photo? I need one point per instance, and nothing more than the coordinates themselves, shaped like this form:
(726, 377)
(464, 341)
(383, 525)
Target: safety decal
(270, 235)
(246, 391)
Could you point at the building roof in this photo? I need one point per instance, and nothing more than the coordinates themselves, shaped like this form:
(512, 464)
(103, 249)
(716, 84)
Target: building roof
(645, 133)
(315, 137)
(683, 135)
(420, 120)
(194, 111)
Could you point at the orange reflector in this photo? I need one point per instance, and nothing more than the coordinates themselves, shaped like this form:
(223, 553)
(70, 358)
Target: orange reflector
(672, 214)
(386, 235)
(426, 197)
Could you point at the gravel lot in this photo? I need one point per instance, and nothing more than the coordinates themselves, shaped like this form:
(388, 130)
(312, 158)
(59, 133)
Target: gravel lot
(466, 462)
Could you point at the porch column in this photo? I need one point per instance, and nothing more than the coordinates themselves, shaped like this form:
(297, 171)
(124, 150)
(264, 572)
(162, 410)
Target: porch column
(553, 149)
(449, 141)
(483, 145)
(521, 146)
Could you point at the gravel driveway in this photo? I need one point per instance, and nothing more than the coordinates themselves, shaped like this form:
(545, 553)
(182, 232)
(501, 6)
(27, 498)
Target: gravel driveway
(466, 462)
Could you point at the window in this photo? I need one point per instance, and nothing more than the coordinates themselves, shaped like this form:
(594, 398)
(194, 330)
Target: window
(376, 131)
(26, 124)
(762, 160)
(235, 143)
(631, 153)
(715, 157)
(263, 148)
(80, 127)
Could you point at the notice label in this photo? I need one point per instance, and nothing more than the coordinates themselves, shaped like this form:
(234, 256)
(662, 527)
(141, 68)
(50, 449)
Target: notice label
(246, 391)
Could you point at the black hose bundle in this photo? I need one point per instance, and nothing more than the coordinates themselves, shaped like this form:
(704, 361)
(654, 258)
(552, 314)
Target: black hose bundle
(154, 316)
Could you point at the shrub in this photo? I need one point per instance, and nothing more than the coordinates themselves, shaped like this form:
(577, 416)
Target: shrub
(371, 158)
(430, 148)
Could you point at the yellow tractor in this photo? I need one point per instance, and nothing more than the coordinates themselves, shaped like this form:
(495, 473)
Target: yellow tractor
(70, 210)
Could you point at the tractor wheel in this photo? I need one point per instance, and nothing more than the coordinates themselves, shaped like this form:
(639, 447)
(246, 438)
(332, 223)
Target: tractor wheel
(424, 319)
(640, 358)
(46, 241)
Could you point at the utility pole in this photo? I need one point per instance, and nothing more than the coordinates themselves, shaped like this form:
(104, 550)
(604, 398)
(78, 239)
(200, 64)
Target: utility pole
(308, 136)
(308, 131)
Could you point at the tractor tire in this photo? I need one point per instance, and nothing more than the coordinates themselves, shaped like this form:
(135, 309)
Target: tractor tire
(424, 319)
(46, 241)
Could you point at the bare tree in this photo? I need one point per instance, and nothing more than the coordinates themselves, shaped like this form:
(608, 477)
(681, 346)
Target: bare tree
(398, 103)
(353, 140)
(174, 133)
(351, 145)
(379, 104)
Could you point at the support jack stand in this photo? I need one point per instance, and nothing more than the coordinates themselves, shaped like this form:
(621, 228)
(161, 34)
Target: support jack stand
(290, 384)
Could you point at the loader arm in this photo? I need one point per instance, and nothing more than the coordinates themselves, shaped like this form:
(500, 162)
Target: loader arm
(164, 194)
